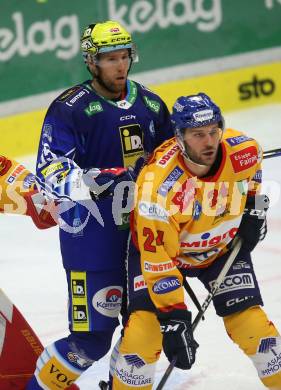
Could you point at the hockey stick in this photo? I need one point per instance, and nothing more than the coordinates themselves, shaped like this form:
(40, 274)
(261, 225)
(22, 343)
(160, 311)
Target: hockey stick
(272, 153)
(237, 242)
(192, 295)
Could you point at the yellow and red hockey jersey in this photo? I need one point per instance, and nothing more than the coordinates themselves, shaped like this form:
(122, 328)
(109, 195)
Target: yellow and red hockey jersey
(183, 221)
(18, 194)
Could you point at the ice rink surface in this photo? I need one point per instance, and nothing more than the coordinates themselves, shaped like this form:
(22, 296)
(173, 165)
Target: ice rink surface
(31, 274)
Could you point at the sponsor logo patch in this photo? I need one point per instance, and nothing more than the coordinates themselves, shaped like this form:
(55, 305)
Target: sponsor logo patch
(153, 105)
(153, 211)
(241, 265)
(51, 169)
(170, 180)
(139, 283)
(16, 172)
(233, 141)
(107, 301)
(93, 108)
(209, 239)
(78, 287)
(76, 97)
(203, 115)
(134, 360)
(235, 282)
(68, 93)
(244, 159)
(134, 371)
(166, 285)
(132, 143)
(168, 156)
(267, 344)
(80, 313)
(56, 375)
(79, 301)
(236, 301)
(159, 267)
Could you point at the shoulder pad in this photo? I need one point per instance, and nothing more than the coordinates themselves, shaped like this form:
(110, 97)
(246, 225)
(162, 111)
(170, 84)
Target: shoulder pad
(234, 138)
(72, 95)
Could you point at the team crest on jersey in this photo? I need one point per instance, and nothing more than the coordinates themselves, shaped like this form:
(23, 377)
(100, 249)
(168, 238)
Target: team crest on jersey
(132, 143)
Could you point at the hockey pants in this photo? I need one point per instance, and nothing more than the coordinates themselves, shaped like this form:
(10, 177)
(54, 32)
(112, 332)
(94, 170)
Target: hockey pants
(142, 343)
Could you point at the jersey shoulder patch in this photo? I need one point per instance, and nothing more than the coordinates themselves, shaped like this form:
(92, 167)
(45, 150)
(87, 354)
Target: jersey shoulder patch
(234, 137)
(151, 99)
(73, 95)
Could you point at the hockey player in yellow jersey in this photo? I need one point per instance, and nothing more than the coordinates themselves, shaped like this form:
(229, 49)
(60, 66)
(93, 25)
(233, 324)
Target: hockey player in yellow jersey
(19, 345)
(199, 190)
(19, 195)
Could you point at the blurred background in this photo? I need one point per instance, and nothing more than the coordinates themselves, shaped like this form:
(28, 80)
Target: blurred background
(229, 49)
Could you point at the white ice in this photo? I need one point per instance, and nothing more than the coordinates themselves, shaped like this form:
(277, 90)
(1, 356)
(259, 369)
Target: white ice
(33, 277)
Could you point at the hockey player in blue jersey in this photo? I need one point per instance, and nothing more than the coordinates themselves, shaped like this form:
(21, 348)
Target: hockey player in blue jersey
(92, 136)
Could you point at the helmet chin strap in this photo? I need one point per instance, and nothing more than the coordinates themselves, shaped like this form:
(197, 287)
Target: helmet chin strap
(185, 155)
(188, 159)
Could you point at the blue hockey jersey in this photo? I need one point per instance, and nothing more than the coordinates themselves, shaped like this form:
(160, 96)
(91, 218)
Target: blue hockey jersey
(83, 130)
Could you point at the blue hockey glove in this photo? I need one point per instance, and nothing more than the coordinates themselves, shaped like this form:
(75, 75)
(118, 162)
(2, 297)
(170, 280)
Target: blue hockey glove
(102, 182)
(178, 338)
(253, 226)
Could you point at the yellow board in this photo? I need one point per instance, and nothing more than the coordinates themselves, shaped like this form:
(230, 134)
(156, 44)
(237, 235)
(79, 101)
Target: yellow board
(232, 90)
(20, 133)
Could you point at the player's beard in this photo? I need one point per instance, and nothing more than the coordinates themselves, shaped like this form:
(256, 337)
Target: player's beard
(202, 159)
(110, 86)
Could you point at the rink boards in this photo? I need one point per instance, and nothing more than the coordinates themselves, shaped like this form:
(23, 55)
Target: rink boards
(233, 90)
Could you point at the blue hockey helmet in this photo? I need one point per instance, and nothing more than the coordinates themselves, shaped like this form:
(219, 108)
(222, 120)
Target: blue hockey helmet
(194, 111)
